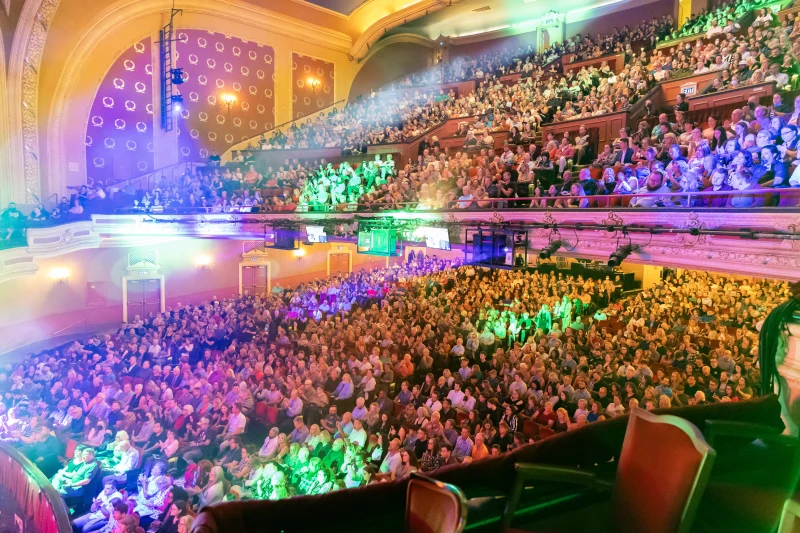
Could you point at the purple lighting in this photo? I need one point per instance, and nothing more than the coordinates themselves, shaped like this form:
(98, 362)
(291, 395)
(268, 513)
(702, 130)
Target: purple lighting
(119, 135)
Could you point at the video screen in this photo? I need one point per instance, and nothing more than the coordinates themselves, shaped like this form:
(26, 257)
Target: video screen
(316, 234)
(438, 238)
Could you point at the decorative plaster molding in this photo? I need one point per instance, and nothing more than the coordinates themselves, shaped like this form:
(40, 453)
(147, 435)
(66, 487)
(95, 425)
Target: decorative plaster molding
(57, 240)
(379, 28)
(7, 183)
(23, 76)
(770, 258)
(15, 263)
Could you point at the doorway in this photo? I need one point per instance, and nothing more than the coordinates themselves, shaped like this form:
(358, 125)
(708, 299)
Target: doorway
(255, 279)
(339, 264)
(143, 296)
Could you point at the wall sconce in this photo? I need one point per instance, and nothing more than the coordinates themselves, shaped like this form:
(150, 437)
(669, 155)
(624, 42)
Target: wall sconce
(299, 253)
(228, 99)
(202, 261)
(314, 84)
(59, 274)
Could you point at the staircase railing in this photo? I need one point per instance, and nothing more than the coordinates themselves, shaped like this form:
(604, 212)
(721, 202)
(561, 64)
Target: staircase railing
(244, 145)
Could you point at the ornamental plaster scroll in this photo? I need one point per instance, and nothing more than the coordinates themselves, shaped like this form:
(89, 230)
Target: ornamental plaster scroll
(30, 96)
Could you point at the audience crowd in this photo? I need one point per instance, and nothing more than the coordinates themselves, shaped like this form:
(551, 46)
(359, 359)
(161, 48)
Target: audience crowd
(362, 379)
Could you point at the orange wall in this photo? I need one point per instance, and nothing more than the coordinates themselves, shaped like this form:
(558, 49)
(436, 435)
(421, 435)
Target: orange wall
(35, 307)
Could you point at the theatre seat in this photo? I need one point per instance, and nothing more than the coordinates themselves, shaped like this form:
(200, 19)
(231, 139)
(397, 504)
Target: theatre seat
(644, 496)
(434, 507)
(755, 473)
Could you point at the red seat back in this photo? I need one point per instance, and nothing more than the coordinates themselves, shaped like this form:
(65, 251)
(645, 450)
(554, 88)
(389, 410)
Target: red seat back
(260, 411)
(434, 507)
(271, 415)
(664, 462)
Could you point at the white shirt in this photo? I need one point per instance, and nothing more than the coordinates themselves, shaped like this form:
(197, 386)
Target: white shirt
(105, 503)
(269, 447)
(358, 437)
(129, 461)
(456, 396)
(433, 406)
(236, 422)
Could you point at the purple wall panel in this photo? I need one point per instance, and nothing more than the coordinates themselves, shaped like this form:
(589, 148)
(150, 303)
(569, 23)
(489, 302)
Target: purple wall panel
(215, 65)
(119, 136)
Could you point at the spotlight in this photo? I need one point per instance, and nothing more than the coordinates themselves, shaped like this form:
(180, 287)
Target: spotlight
(552, 248)
(177, 76)
(621, 254)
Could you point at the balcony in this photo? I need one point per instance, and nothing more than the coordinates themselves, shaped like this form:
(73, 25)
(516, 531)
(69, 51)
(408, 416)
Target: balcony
(761, 241)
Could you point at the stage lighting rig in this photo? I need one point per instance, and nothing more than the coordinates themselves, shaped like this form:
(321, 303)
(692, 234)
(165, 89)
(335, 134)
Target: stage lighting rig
(552, 248)
(616, 258)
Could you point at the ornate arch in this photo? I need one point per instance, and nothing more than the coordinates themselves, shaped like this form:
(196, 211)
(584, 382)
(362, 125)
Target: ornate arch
(23, 96)
(124, 13)
(6, 176)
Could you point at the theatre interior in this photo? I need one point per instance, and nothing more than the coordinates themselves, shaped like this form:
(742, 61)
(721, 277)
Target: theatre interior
(423, 266)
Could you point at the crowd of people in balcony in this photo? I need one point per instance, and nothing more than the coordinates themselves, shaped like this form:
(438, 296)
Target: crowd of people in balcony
(363, 379)
(397, 114)
(715, 20)
(764, 52)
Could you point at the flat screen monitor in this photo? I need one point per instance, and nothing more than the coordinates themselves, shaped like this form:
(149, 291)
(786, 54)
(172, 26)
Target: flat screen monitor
(438, 238)
(285, 239)
(316, 234)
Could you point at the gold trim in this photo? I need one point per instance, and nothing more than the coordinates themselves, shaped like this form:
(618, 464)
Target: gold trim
(378, 29)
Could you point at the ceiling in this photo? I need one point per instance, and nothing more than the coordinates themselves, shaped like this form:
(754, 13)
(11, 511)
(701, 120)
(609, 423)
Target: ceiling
(343, 7)
(461, 19)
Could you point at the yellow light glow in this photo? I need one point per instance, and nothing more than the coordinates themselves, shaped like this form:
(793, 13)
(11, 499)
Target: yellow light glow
(202, 260)
(228, 98)
(313, 83)
(59, 273)
(299, 253)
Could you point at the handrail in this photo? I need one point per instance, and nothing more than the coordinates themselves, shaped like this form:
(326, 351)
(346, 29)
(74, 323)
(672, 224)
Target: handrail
(234, 146)
(85, 324)
(149, 175)
(57, 521)
(494, 202)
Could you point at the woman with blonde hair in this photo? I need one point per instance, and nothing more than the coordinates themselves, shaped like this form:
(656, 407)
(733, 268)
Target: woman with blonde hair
(185, 524)
(664, 402)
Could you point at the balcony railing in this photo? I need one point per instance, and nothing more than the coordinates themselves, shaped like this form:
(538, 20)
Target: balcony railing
(782, 198)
